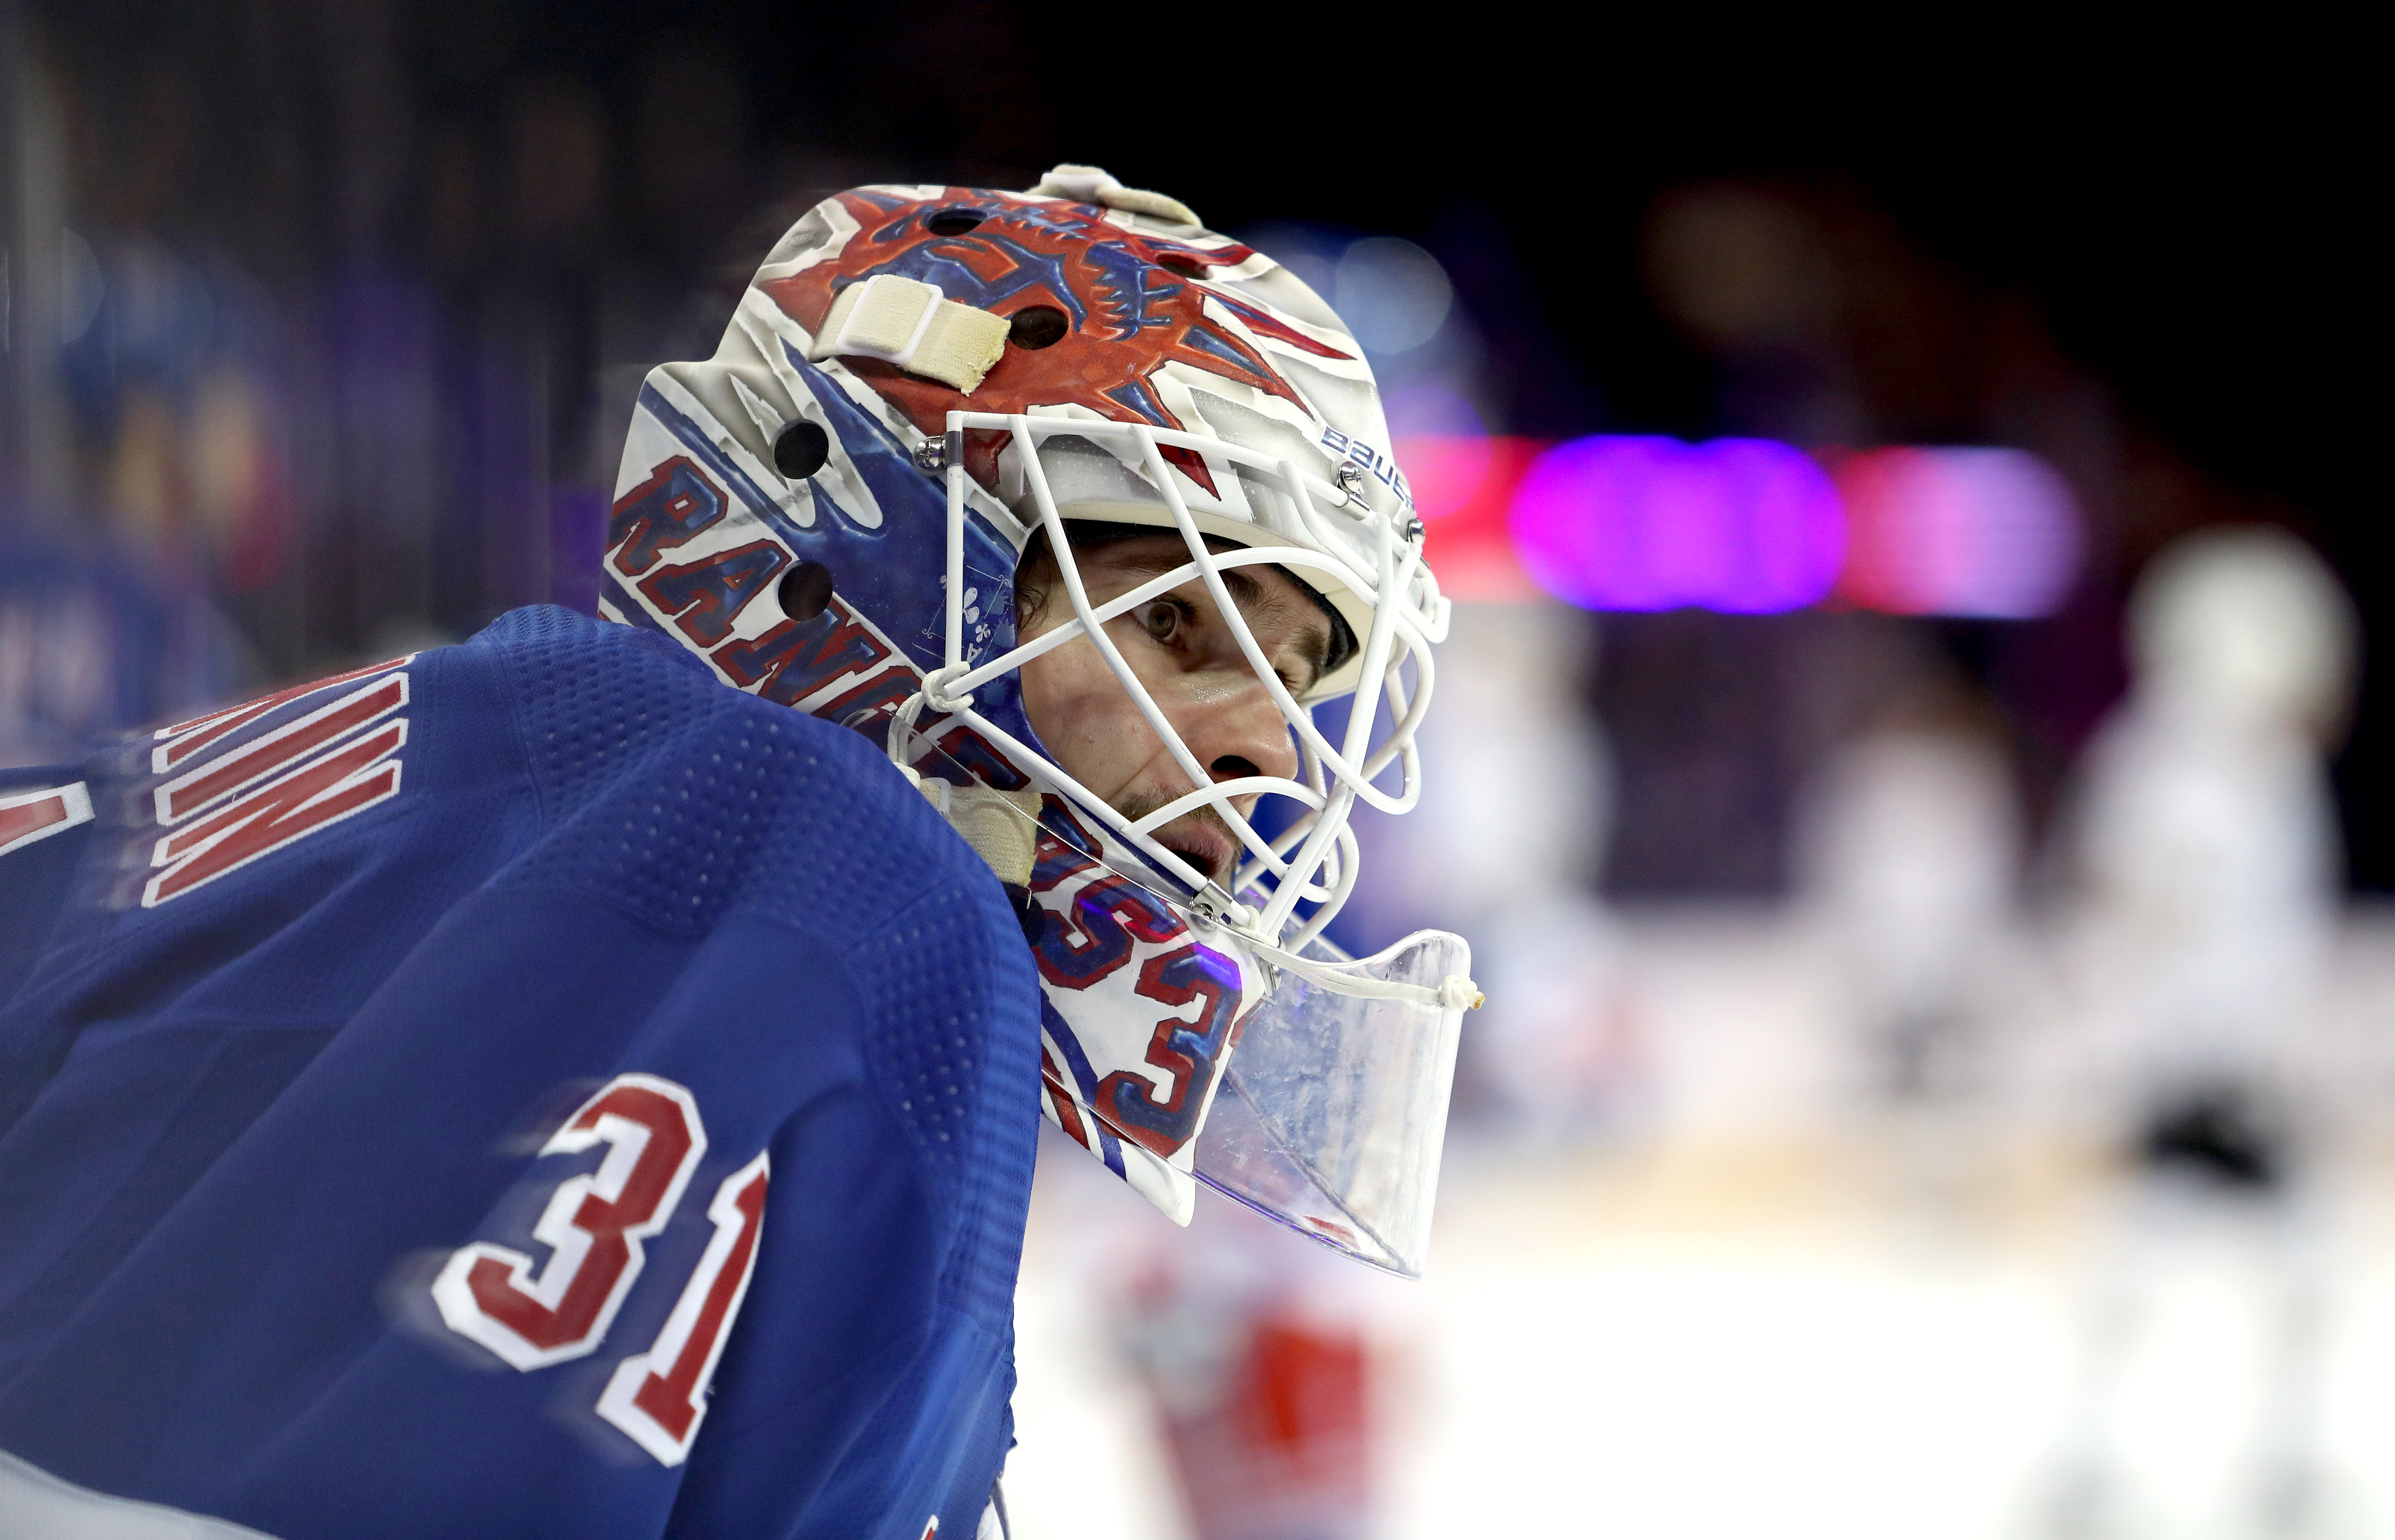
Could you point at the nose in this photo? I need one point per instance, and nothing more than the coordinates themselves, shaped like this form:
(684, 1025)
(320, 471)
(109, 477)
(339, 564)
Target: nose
(1235, 732)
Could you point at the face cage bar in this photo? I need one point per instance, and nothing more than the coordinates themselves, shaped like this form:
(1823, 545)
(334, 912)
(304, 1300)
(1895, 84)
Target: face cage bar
(1407, 611)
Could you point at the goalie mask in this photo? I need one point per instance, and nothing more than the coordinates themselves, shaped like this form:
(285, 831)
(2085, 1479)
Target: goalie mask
(917, 384)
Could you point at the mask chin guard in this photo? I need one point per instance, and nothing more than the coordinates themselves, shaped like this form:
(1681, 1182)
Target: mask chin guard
(1331, 1114)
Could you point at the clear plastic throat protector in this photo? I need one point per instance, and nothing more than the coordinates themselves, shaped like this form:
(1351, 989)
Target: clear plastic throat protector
(1332, 1115)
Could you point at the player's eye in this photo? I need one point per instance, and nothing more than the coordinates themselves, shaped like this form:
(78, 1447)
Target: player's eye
(1162, 620)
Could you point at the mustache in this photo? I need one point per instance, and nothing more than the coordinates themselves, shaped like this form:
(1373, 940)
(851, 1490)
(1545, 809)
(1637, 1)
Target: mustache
(1219, 867)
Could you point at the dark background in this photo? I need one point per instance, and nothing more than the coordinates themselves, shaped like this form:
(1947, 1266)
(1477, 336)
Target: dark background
(451, 233)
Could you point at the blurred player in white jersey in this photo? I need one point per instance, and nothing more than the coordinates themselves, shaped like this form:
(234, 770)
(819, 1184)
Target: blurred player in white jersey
(2207, 858)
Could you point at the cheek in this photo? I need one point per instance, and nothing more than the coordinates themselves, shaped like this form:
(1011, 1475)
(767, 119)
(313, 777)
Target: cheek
(1081, 712)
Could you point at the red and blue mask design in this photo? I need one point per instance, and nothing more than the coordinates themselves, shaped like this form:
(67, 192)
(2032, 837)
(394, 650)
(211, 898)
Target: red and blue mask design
(1102, 307)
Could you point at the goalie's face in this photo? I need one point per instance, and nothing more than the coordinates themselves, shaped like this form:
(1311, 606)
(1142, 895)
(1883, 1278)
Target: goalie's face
(1188, 658)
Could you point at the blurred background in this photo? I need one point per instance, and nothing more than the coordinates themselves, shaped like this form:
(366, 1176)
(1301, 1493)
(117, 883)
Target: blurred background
(1908, 758)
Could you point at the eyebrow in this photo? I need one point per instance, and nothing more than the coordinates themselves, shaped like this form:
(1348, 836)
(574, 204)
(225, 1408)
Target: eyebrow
(1313, 642)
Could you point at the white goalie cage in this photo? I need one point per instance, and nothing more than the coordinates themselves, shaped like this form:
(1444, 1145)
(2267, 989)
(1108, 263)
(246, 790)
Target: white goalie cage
(1365, 562)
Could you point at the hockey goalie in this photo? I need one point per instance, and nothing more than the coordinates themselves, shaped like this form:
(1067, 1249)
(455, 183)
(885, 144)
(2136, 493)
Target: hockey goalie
(584, 1081)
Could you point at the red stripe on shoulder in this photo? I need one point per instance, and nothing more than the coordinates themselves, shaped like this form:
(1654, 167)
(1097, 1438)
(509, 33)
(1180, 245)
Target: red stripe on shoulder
(26, 817)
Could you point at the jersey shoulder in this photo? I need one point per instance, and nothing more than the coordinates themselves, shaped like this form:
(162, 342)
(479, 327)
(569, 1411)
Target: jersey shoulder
(684, 798)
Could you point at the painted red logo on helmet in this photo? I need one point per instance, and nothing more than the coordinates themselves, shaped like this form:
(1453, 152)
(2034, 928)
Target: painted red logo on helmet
(1124, 305)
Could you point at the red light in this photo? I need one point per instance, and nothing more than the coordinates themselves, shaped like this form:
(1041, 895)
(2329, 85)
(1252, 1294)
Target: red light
(1463, 487)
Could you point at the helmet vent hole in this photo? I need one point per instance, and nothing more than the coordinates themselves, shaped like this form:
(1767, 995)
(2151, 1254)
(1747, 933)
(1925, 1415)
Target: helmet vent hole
(805, 590)
(1188, 267)
(1038, 326)
(802, 449)
(955, 221)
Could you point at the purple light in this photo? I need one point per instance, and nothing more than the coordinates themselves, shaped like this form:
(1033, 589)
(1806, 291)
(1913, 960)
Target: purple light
(1741, 526)
(1978, 532)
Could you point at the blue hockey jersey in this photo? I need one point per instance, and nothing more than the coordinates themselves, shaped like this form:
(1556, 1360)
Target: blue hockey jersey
(523, 1088)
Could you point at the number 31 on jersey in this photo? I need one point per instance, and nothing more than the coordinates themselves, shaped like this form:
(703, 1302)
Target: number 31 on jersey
(595, 1226)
